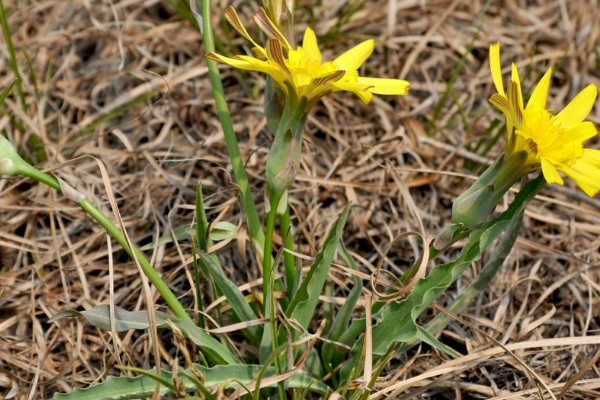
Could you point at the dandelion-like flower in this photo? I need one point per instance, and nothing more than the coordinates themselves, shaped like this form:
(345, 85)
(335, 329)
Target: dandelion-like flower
(552, 142)
(302, 70)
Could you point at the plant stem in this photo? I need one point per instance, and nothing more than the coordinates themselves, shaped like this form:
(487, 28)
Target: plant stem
(288, 258)
(269, 284)
(239, 171)
(154, 277)
(268, 247)
(116, 233)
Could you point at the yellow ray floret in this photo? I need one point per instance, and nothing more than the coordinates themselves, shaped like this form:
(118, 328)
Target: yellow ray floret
(553, 143)
(302, 69)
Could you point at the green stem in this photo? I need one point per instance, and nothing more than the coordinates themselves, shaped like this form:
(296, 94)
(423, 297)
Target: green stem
(116, 233)
(268, 248)
(154, 277)
(268, 285)
(288, 258)
(239, 171)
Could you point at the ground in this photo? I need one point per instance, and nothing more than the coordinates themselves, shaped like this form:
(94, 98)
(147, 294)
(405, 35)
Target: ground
(116, 95)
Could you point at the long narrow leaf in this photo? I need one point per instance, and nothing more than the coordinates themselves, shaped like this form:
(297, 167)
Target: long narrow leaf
(214, 349)
(236, 299)
(303, 305)
(124, 320)
(221, 376)
(5, 92)
(331, 353)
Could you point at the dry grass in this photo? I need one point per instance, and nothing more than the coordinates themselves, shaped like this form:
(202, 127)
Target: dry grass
(85, 62)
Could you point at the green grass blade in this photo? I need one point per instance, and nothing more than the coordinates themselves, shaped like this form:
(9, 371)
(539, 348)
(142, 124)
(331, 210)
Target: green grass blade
(6, 91)
(38, 150)
(239, 171)
(236, 299)
(201, 222)
(13, 55)
(456, 72)
(182, 7)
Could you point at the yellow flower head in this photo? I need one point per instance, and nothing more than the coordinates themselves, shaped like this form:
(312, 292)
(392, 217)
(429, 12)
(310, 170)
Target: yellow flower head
(302, 69)
(554, 142)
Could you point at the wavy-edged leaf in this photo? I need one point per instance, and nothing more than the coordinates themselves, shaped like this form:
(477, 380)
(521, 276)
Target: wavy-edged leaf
(124, 320)
(220, 376)
(398, 320)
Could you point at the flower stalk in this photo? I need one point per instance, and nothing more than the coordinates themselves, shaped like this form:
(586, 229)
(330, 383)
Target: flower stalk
(11, 163)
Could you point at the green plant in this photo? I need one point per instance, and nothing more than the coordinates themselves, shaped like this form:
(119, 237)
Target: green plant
(294, 355)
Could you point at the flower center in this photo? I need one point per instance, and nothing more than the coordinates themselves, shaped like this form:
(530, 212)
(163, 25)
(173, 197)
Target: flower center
(545, 138)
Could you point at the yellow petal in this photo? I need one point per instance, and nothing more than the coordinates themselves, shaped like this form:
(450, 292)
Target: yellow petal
(234, 20)
(250, 64)
(592, 157)
(309, 43)
(501, 103)
(581, 131)
(353, 58)
(515, 78)
(579, 108)
(550, 173)
(585, 175)
(385, 86)
(495, 67)
(516, 113)
(359, 90)
(540, 93)
(269, 28)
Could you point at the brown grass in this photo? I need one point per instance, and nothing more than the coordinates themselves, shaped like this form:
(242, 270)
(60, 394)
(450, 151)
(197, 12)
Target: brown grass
(90, 59)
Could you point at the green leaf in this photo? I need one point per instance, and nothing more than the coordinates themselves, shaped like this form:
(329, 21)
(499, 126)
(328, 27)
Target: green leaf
(223, 230)
(201, 221)
(124, 320)
(398, 319)
(431, 340)
(236, 299)
(220, 376)
(220, 231)
(304, 303)
(214, 349)
(332, 354)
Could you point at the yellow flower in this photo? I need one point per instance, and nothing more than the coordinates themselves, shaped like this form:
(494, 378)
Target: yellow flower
(302, 70)
(552, 142)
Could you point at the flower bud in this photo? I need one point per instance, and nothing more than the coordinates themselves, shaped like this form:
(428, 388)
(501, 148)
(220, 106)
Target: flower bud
(477, 204)
(284, 156)
(274, 103)
(7, 167)
(10, 160)
(283, 162)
